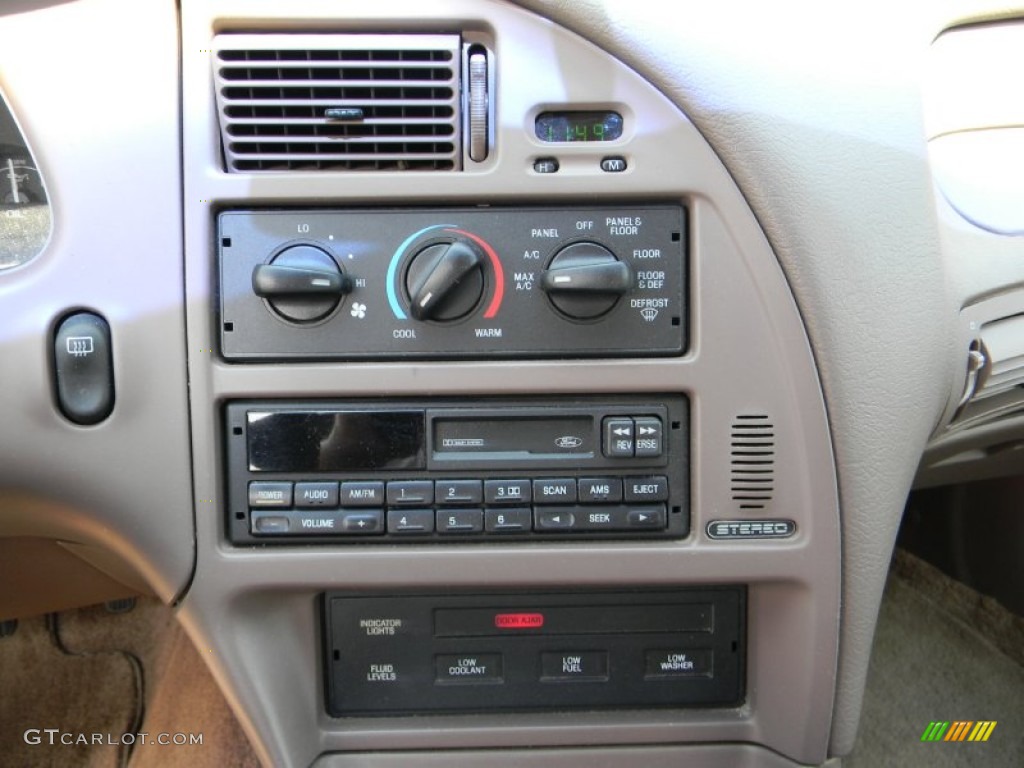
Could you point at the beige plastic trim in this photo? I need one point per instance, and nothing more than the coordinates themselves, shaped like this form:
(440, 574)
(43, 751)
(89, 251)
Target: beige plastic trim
(105, 133)
(255, 609)
(700, 756)
(974, 117)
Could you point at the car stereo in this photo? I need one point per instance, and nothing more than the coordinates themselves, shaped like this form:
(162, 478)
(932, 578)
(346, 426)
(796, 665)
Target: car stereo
(393, 471)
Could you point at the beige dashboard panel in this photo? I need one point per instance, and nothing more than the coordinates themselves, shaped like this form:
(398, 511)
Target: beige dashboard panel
(256, 608)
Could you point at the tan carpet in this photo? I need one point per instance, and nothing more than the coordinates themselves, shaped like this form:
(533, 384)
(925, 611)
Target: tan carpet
(42, 687)
(942, 652)
(92, 672)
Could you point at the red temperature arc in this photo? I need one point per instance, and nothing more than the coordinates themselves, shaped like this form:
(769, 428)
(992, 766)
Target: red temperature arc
(499, 273)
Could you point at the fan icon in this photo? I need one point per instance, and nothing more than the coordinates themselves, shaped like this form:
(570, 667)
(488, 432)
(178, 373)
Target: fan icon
(359, 310)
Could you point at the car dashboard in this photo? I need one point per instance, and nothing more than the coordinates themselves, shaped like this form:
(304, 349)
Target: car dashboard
(493, 383)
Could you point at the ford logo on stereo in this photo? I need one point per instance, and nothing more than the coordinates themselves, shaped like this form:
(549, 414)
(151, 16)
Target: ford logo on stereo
(569, 441)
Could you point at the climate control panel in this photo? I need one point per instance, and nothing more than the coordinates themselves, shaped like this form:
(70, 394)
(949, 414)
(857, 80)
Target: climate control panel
(453, 283)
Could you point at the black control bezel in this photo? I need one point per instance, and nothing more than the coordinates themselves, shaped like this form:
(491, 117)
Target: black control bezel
(672, 464)
(400, 634)
(514, 319)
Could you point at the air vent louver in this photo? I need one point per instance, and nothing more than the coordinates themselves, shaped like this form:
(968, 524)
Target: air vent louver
(752, 449)
(339, 102)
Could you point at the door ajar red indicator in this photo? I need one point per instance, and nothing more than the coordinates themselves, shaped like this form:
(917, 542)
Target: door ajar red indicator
(519, 620)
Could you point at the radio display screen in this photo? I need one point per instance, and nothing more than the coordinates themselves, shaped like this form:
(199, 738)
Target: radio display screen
(335, 441)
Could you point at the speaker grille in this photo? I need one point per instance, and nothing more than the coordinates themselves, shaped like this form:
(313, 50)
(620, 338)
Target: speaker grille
(752, 455)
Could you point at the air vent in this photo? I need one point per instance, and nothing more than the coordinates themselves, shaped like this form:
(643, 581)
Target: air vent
(752, 449)
(339, 102)
(1002, 343)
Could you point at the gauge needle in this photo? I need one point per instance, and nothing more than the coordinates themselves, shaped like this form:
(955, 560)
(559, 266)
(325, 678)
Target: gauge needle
(14, 181)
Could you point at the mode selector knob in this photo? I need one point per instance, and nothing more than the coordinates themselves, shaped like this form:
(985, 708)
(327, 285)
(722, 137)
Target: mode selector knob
(445, 281)
(585, 280)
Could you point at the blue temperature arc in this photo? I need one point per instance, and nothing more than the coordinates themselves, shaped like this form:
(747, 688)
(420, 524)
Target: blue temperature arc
(392, 279)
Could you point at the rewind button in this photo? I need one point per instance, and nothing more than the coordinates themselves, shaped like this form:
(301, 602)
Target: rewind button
(619, 437)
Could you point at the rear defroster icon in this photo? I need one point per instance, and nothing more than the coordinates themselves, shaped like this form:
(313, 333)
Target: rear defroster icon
(80, 346)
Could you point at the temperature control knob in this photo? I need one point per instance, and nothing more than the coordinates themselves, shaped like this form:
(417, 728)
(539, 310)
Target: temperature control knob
(302, 284)
(585, 280)
(445, 281)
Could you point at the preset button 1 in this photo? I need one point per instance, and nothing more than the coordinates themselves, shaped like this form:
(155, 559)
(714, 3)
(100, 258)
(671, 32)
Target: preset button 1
(410, 492)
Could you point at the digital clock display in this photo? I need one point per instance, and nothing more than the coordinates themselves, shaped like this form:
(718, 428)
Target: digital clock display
(566, 126)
